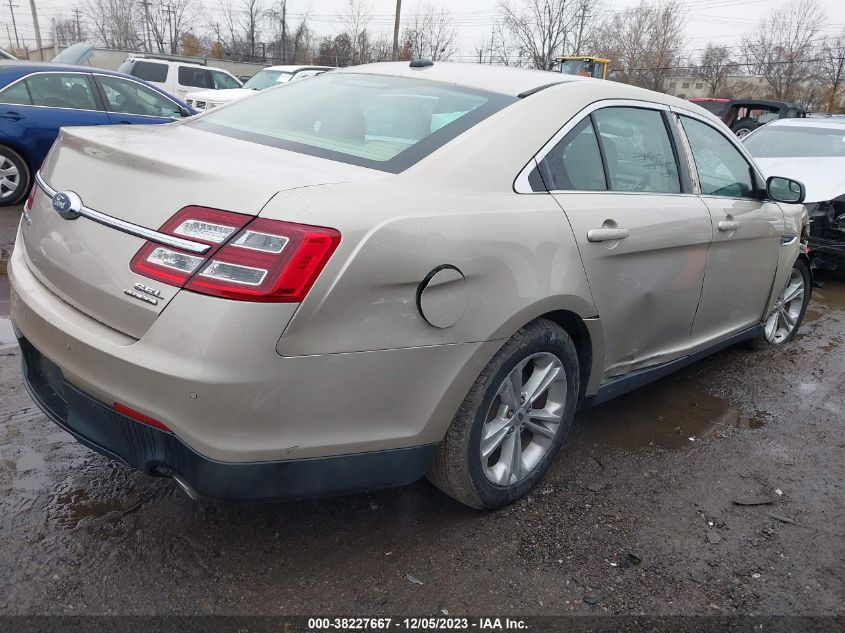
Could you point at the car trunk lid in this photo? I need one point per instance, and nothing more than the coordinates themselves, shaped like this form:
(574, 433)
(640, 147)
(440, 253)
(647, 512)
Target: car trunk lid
(138, 178)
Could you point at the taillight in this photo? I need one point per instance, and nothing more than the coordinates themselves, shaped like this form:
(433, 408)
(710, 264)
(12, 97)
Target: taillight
(29, 200)
(249, 259)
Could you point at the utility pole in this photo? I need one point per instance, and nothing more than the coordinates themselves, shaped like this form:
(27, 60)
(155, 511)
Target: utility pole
(395, 31)
(14, 24)
(580, 29)
(170, 12)
(77, 13)
(146, 5)
(9, 33)
(37, 30)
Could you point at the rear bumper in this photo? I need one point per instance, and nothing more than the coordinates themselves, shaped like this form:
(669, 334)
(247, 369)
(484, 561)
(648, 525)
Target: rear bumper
(106, 431)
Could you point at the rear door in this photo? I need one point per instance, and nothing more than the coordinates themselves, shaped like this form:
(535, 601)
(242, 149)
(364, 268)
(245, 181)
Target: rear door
(747, 230)
(130, 102)
(34, 108)
(642, 235)
(190, 78)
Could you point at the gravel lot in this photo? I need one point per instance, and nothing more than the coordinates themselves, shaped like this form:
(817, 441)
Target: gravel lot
(639, 514)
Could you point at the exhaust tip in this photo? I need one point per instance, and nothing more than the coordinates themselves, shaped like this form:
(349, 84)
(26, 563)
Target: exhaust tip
(186, 487)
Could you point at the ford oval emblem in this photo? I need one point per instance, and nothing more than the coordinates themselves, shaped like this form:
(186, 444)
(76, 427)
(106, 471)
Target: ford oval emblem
(67, 204)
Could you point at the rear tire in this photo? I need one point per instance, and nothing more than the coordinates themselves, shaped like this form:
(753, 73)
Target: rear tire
(785, 319)
(513, 421)
(744, 128)
(15, 179)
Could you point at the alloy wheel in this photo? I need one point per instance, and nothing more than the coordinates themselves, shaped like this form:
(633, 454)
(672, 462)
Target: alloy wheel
(9, 177)
(523, 419)
(784, 317)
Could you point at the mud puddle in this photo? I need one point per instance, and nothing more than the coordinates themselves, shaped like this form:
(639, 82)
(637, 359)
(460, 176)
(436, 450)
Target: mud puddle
(671, 413)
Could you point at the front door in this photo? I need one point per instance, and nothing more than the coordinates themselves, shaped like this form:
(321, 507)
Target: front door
(743, 257)
(642, 240)
(130, 102)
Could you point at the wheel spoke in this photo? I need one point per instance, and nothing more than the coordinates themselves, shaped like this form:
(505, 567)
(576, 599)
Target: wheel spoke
(772, 326)
(793, 291)
(507, 394)
(788, 319)
(495, 433)
(542, 378)
(544, 415)
(542, 429)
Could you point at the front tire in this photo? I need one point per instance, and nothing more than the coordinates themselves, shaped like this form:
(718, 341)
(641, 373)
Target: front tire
(513, 421)
(787, 315)
(14, 177)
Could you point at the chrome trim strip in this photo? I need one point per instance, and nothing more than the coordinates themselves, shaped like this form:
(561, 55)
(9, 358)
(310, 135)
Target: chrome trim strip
(786, 240)
(129, 227)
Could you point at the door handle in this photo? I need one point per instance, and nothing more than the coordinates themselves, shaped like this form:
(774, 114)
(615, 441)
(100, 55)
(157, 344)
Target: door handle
(607, 235)
(12, 116)
(729, 225)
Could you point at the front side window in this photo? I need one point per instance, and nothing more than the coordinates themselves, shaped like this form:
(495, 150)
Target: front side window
(195, 77)
(637, 150)
(382, 122)
(722, 169)
(129, 97)
(16, 94)
(56, 90)
(222, 80)
(574, 164)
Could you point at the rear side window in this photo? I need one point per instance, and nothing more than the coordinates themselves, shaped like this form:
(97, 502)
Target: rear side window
(150, 71)
(16, 94)
(195, 77)
(56, 90)
(575, 162)
(382, 122)
(722, 169)
(637, 150)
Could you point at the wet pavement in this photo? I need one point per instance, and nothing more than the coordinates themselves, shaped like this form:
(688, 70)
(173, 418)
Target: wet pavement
(640, 514)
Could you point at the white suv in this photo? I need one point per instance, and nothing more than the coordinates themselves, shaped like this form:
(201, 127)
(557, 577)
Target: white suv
(177, 77)
(265, 78)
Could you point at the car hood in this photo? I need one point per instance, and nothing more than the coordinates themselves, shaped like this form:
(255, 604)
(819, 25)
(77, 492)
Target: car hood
(221, 96)
(824, 178)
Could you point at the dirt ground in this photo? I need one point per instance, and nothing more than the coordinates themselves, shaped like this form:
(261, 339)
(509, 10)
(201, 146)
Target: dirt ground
(639, 515)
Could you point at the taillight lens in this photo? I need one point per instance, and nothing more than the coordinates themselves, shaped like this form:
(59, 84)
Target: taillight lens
(30, 198)
(248, 259)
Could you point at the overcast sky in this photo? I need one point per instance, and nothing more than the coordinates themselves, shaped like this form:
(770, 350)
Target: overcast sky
(720, 21)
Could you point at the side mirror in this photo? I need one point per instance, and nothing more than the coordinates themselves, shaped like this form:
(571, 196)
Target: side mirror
(185, 112)
(785, 190)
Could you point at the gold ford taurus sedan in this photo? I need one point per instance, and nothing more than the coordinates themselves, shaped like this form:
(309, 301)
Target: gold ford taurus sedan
(391, 271)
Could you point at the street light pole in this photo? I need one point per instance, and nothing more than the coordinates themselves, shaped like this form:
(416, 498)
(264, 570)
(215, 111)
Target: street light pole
(37, 30)
(396, 31)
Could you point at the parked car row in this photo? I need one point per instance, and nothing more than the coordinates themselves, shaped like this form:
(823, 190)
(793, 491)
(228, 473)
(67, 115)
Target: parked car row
(37, 99)
(390, 271)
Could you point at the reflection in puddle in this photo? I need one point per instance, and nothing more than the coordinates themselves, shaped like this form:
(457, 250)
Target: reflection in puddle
(666, 414)
(71, 507)
(7, 334)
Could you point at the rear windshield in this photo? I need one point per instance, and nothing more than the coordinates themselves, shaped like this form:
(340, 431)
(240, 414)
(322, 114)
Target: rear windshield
(783, 141)
(149, 71)
(386, 123)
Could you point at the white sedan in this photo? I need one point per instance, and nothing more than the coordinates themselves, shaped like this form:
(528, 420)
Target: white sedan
(266, 78)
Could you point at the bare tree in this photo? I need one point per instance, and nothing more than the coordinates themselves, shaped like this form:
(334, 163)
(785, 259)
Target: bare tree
(644, 43)
(69, 31)
(715, 68)
(541, 28)
(430, 31)
(115, 23)
(357, 18)
(780, 49)
(831, 56)
(167, 21)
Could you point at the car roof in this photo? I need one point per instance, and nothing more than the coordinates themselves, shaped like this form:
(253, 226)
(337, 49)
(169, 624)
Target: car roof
(519, 82)
(24, 66)
(813, 121)
(290, 68)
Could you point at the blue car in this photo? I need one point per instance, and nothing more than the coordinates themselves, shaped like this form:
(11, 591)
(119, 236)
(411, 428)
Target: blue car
(36, 99)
